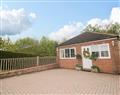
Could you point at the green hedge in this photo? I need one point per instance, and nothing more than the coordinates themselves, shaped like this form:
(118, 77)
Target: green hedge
(7, 54)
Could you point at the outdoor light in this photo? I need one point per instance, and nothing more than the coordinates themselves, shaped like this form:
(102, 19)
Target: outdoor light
(113, 43)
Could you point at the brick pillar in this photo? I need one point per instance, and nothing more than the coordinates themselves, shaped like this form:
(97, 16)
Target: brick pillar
(57, 54)
(119, 57)
(116, 57)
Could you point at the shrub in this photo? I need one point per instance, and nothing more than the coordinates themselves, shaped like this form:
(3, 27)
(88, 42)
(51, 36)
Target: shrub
(78, 56)
(93, 57)
(79, 67)
(95, 68)
(7, 54)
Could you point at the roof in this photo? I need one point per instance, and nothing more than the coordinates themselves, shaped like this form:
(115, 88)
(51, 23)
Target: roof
(88, 36)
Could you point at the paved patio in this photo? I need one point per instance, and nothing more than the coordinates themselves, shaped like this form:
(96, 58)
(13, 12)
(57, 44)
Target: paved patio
(61, 82)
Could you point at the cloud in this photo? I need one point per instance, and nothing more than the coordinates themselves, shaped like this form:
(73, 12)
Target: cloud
(15, 21)
(115, 15)
(114, 18)
(33, 15)
(70, 30)
(66, 32)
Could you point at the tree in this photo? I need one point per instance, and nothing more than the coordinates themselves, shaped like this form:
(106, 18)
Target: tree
(114, 29)
(26, 45)
(111, 29)
(47, 47)
(1, 43)
(44, 47)
(6, 44)
(91, 28)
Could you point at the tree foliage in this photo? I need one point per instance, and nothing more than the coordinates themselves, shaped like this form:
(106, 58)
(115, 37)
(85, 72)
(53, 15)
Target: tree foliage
(110, 28)
(47, 47)
(44, 47)
(26, 45)
(6, 44)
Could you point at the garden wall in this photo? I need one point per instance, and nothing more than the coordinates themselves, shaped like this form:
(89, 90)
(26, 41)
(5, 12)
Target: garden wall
(28, 70)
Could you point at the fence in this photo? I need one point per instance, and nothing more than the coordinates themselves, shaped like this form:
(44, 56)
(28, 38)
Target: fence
(21, 63)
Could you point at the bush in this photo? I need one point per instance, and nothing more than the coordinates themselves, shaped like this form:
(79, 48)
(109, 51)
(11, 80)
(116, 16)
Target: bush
(93, 57)
(78, 56)
(79, 67)
(95, 68)
(7, 54)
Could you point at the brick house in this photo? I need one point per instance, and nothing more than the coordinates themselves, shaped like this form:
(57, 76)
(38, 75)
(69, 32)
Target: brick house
(106, 46)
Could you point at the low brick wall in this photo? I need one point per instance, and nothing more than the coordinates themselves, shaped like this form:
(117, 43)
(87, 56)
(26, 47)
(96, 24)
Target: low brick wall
(27, 70)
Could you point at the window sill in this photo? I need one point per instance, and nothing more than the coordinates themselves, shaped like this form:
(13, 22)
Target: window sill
(104, 58)
(68, 58)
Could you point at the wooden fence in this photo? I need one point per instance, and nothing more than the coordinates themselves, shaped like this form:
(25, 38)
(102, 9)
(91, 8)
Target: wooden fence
(21, 63)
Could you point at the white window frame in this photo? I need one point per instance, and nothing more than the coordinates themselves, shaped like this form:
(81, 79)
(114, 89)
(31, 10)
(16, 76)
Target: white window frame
(109, 56)
(61, 56)
(99, 50)
(63, 49)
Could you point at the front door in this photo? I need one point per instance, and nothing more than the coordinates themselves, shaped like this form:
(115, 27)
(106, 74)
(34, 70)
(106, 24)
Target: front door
(87, 63)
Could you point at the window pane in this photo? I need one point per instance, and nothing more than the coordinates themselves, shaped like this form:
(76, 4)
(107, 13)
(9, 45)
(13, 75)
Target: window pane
(104, 54)
(104, 47)
(62, 54)
(72, 52)
(94, 48)
(96, 54)
(67, 53)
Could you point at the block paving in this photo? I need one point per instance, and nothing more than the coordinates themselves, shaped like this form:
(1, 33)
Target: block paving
(61, 82)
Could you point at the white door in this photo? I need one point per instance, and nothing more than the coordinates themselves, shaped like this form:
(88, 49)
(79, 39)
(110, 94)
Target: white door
(87, 63)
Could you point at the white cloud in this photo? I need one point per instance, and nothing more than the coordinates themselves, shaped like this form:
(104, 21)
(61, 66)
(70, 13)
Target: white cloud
(94, 21)
(15, 21)
(115, 15)
(71, 30)
(33, 15)
(114, 18)
(99, 22)
(66, 32)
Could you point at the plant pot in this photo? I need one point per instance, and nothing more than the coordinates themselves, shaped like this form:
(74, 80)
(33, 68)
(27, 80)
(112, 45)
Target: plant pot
(78, 68)
(95, 70)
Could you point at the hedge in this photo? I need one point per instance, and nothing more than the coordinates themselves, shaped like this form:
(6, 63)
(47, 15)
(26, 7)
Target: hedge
(7, 54)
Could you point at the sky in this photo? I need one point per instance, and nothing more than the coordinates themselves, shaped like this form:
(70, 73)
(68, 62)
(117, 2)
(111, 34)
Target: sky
(56, 19)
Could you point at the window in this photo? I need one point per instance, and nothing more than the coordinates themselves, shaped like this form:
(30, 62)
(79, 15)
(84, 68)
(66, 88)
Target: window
(67, 53)
(95, 53)
(104, 51)
(72, 52)
(62, 55)
(104, 54)
(95, 50)
(101, 50)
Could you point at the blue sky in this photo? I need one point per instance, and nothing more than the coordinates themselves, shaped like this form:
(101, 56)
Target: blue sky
(53, 16)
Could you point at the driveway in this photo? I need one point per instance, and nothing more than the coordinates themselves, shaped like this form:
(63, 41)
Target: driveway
(61, 82)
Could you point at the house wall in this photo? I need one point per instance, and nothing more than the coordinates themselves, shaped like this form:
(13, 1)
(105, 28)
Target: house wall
(119, 57)
(105, 65)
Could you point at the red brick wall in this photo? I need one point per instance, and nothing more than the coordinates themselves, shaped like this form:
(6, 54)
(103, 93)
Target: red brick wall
(119, 57)
(68, 63)
(105, 65)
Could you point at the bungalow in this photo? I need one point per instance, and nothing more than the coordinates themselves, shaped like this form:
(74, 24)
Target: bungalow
(106, 47)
